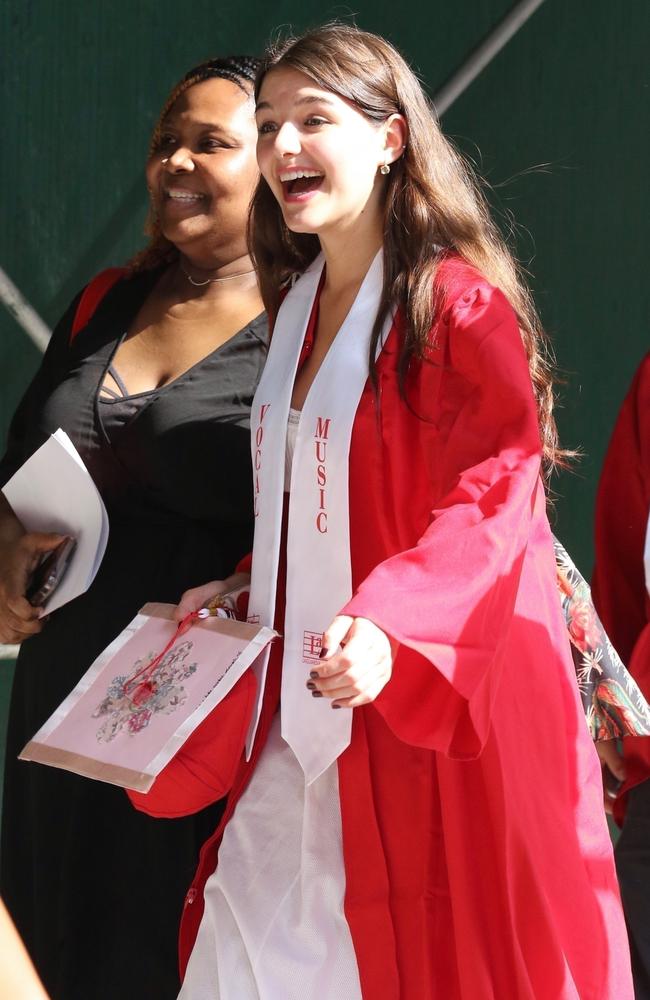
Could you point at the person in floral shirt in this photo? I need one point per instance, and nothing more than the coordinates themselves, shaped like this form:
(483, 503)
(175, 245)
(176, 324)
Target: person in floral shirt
(620, 588)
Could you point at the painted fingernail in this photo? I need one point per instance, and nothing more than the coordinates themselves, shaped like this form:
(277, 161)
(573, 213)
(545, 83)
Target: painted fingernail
(334, 705)
(314, 675)
(324, 653)
(311, 685)
(317, 694)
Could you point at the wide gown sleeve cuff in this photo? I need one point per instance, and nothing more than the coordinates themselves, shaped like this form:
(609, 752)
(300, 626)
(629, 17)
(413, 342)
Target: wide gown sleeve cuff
(425, 704)
(449, 600)
(203, 770)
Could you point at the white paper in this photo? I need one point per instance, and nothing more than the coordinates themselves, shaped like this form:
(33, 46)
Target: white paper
(53, 491)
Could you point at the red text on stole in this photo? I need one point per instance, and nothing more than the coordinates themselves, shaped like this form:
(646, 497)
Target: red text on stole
(320, 440)
(257, 460)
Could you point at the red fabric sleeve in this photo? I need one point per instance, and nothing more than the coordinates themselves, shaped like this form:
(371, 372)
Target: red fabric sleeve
(96, 289)
(618, 587)
(622, 505)
(204, 768)
(245, 564)
(450, 599)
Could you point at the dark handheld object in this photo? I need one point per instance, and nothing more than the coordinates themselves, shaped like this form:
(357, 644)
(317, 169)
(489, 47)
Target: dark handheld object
(612, 783)
(50, 571)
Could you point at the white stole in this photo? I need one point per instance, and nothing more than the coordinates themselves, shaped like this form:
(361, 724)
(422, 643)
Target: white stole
(319, 576)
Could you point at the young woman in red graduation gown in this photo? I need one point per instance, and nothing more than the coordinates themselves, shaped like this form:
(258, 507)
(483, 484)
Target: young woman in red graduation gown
(621, 588)
(441, 835)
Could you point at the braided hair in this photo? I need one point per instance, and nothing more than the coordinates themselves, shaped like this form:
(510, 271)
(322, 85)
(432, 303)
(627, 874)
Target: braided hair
(240, 70)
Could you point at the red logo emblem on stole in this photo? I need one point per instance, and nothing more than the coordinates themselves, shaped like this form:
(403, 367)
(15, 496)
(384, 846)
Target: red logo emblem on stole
(311, 646)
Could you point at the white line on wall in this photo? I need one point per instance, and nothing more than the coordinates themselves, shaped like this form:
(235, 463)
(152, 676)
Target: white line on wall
(484, 54)
(23, 313)
(39, 332)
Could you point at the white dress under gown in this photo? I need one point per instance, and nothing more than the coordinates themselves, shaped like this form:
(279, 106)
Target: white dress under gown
(274, 927)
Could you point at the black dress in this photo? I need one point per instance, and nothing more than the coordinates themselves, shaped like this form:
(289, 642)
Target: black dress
(96, 888)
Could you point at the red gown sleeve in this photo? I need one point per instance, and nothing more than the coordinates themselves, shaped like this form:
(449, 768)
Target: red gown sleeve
(619, 588)
(204, 768)
(622, 505)
(450, 598)
(245, 564)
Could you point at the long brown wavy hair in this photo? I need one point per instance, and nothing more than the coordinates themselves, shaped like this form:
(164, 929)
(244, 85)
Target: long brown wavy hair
(433, 204)
(240, 70)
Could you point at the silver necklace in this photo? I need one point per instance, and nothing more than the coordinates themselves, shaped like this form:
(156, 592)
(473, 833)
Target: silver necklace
(211, 281)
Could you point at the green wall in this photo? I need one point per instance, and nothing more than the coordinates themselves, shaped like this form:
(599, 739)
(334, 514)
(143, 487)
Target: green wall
(81, 82)
(572, 93)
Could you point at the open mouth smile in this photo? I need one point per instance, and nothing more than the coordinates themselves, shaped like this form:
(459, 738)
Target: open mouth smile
(300, 184)
(181, 197)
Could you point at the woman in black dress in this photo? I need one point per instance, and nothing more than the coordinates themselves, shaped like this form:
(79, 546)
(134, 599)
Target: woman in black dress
(155, 393)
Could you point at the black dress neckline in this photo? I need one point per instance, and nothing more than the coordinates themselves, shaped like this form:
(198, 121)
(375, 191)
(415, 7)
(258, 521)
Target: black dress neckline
(250, 327)
(135, 404)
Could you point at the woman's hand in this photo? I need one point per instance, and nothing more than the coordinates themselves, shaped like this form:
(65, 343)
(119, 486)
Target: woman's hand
(18, 978)
(198, 597)
(613, 768)
(354, 674)
(18, 560)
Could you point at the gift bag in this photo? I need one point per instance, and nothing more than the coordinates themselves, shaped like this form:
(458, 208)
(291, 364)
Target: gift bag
(143, 696)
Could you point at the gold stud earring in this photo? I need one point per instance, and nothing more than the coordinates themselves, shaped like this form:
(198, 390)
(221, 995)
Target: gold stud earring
(384, 169)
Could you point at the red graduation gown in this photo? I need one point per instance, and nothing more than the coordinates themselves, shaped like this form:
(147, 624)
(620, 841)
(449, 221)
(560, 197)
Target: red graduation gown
(619, 587)
(478, 863)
